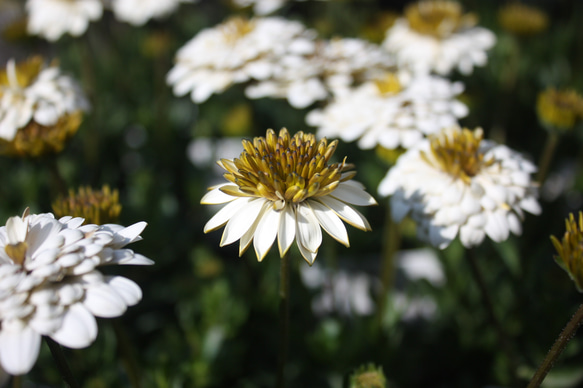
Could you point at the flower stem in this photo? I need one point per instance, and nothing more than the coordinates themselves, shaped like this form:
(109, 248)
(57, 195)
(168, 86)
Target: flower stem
(16, 382)
(61, 361)
(283, 320)
(547, 156)
(57, 180)
(128, 359)
(558, 347)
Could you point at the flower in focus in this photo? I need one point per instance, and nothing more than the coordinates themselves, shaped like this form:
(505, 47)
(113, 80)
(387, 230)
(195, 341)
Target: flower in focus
(435, 36)
(236, 51)
(32, 94)
(570, 249)
(559, 109)
(53, 18)
(50, 284)
(394, 111)
(522, 19)
(138, 12)
(455, 182)
(282, 186)
(95, 206)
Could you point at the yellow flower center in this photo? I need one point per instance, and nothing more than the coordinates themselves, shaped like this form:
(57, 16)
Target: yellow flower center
(285, 169)
(389, 84)
(21, 75)
(96, 206)
(235, 28)
(522, 19)
(560, 109)
(457, 152)
(438, 18)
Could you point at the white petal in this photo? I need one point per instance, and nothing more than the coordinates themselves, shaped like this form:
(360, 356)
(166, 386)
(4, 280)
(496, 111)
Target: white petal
(287, 230)
(306, 253)
(102, 301)
(129, 291)
(354, 194)
(225, 214)
(128, 257)
(308, 229)
(216, 197)
(129, 234)
(497, 226)
(266, 231)
(471, 237)
(241, 221)
(330, 222)
(19, 347)
(79, 328)
(344, 211)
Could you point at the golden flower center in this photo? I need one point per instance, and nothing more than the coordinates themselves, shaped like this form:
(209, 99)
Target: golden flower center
(285, 169)
(96, 206)
(17, 76)
(560, 109)
(457, 153)
(522, 19)
(389, 84)
(236, 28)
(438, 18)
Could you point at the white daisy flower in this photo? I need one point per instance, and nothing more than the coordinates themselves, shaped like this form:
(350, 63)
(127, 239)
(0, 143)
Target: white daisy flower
(395, 111)
(53, 18)
(50, 285)
(236, 51)
(262, 7)
(456, 183)
(435, 36)
(138, 12)
(331, 67)
(32, 91)
(283, 187)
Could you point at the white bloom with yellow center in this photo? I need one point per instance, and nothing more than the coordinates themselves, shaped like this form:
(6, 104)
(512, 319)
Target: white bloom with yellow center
(53, 18)
(32, 91)
(394, 111)
(50, 284)
(435, 37)
(236, 51)
(456, 183)
(138, 12)
(283, 187)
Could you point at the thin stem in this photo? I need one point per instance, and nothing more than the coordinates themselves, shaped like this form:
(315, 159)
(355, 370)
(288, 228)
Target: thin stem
(392, 242)
(503, 339)
(16, 382)
(558, 347)
(57, 180)
(547, 156)
(61, 361)
(283, 320)
(127, 354)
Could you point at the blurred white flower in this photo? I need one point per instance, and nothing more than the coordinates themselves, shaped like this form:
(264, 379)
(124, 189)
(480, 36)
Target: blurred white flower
(138, 12)
(53, 18)
(283, 186)
(30, 90)
(262, 7)
(50, 285)
(436, 36)
(455, 182)
(395, 111)
(236, 51)
(421, 264)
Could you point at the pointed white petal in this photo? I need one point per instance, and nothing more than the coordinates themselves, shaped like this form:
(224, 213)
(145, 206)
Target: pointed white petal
(216, 197)
(352, 192)
(287, 230)
(266, 231)
(102, 301)
(19, 347)
(306, 254)
(129, 234)
(344, 211)
(330, 222)
(79, 328)
(128, 257)
(308, 230)
(241, 221)
(225, 214)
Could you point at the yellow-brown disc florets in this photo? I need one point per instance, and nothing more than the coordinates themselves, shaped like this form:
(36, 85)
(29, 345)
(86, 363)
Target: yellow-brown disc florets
(559, 109)
(237, 27)
(457, 152)
(389, 84)
(570, 249)
(521, 19)
(285, 169)
(439, 18)
(96, 206)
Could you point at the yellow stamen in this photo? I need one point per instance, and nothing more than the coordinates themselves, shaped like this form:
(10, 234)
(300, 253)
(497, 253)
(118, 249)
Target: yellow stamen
(570, 249)
(439, 18)
(96, 206)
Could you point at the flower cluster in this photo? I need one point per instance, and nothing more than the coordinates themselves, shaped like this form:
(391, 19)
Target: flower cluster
(50, 283)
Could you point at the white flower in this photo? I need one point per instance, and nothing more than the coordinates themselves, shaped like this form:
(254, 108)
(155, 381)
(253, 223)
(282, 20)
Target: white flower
(236, 51)
(283, 187)
(330, 67)
(397, 111)
(50, 285)
(456, 183)
(435, 36)
(53, 18)
(32, 91)
(138, 12)
(262, 7)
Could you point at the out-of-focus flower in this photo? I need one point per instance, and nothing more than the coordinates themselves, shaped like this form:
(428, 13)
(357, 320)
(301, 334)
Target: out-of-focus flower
(522, 19)
(262, 7)
(436, 36)
(282, 186)
(570, 249)
(236, 51)
(368, 376)
(53, 18)
(333, 67)
(455, 182)
(50, 285)
(138, 12)
(559, 109)
(32, 93)
(95, 206)
(395, 111)
(421, 264)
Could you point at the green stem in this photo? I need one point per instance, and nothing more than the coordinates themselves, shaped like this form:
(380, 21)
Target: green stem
(558, 347)
(283, 320)
(61, 361)
(57, 180)
(547, 156)
(127, 354)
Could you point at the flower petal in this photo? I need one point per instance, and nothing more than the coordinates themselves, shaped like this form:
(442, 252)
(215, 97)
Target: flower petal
(19, 347)
(266, 231)
(102, 301)
(353, 193)
(225, 214)
(287, 230)
(216, 197)
(127, 289)
(79, 328)
(347, 213)
(241, 221)
(330, 222)
(308, 229)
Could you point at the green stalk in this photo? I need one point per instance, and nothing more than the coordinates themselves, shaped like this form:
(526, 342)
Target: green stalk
(61, 361)
(558, 347)
(283, 320)
(547, 156)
